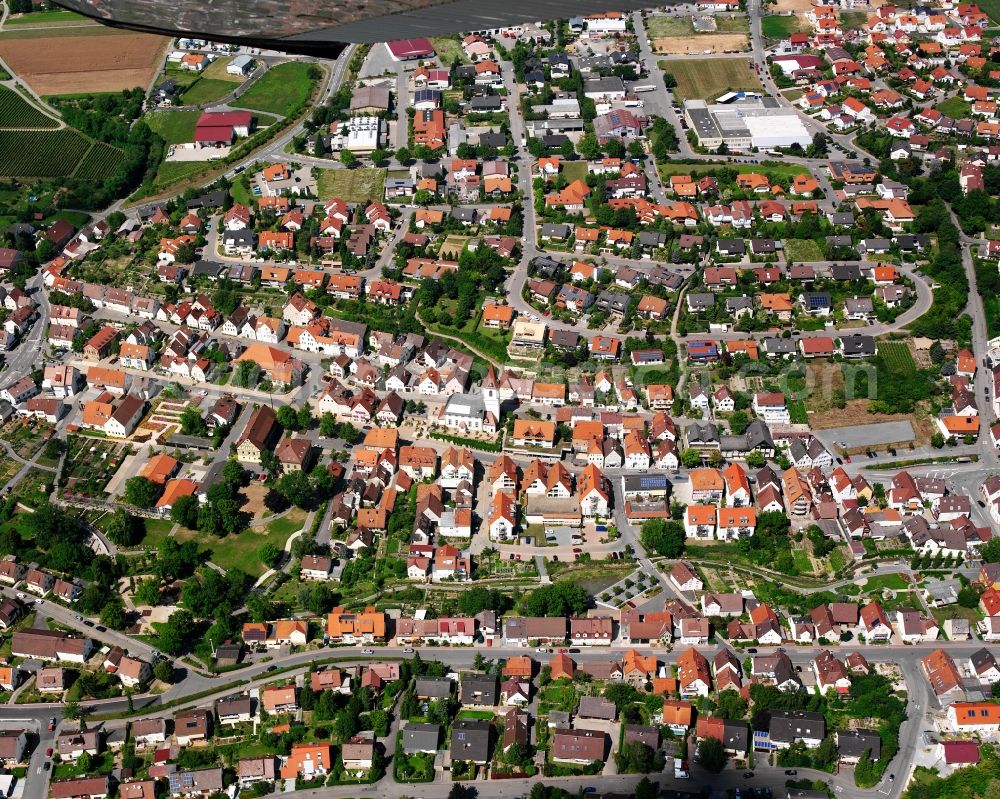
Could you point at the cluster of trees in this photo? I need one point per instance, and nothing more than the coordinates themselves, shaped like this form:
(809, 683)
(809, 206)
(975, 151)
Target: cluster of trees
(124, 529)
(220, 514)
(105, 117)
(211, 592)
(561, 598)
(57, 540)
(143, 152)
(302, 489)
(479, 598)
(639, 758)
(769, 545)
(822, 545)
(479, 272)
(664, 537)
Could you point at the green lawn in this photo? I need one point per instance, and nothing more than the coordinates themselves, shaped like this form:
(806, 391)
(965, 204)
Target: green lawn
(561, 696)
(477, 715)
(281, 90)
(707, 78)
(782, 27)
(240, 551)
(894, 582)
(736, 23)
(991, 8)
(156, 531)
(240, 194)
(352, 185)
(954, 107)
(802, 560)
(217, 71)
(853, 19)
(802, 250)
(448, 49)
(207, 90)
(176, 127)
(286, 525)
(574, 170)
(170, 171)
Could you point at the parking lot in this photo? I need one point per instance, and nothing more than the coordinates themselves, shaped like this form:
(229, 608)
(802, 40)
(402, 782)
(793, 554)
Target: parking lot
(870, 435)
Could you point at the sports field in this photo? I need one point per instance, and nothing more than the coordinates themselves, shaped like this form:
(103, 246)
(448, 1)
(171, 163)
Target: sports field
(707, 78)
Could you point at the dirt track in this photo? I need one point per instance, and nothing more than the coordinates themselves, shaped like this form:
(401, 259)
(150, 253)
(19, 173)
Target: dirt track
(77, 64)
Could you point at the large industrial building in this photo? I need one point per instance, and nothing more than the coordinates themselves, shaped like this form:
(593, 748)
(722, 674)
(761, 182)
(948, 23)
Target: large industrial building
(743, 123)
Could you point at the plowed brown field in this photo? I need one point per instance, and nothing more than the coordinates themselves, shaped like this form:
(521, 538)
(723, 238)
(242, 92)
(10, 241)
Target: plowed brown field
(78, 64)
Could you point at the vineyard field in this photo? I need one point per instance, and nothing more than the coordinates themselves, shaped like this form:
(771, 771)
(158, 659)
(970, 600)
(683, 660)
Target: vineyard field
(41, 154)
(99, 162)
(898, 356)
(16, 112)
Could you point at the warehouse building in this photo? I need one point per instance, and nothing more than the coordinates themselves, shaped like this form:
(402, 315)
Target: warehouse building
(744, 124)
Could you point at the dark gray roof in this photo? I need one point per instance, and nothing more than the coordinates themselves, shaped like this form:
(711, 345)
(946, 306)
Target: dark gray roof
(470, 740)
(858, 344)
(478, 689)
(207, 269)
(701, 300)
(434, 687)
(420, 737)
(788, 725)
(614, 301)
(564, 339)
(854, 743)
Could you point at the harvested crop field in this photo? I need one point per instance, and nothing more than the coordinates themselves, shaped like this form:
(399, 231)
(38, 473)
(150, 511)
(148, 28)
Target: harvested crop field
(714, 42)
(78, 64)
(707, 78)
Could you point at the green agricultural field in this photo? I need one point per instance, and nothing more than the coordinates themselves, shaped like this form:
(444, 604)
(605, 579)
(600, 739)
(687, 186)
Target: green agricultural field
(707, 78)
(175, 127)
(352, 185)
(992, 9)
(802, 251)
(207, 90)
(782, 27)
(53, 17)
(16, 112)
(281, 90)
(660, 26)
(41, 154)
(99, 162)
